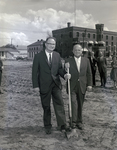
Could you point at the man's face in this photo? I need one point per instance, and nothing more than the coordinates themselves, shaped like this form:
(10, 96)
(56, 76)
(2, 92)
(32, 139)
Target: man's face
(50, 45)
(77, 50)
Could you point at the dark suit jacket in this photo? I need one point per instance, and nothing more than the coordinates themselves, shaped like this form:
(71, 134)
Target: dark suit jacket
(1, 64)
(43, 75)
(102, 64)
(93, 64)
(85, 75)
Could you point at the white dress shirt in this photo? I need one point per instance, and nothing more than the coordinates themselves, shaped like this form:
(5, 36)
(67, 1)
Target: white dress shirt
(47, 54)
(78, 62)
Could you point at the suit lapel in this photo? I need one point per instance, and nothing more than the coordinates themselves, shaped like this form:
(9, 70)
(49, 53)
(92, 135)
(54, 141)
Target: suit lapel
(81, 64)
(45, 57)
(74, 64)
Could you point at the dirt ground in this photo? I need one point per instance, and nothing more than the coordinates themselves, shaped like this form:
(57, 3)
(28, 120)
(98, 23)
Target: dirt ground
(21, 126)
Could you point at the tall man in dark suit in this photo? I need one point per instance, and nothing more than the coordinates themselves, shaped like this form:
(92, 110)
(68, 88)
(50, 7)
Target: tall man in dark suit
(1, 68)
(46, 69)
(102, 67)
(93, 63)
(80, 81)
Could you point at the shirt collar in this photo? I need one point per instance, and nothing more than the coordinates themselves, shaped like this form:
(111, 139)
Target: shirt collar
(48, 53)
(77, 58)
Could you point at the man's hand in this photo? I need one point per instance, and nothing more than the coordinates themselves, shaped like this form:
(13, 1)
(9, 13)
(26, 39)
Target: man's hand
(36, 89)
(89, 88)
(67, 66)
(67, 76)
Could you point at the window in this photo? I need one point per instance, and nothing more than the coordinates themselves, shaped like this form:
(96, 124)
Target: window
(83, 34)
(2, 53)
(70, 34)
(102, 36)
(29, 54)
(106, 37)
(111, 43)
(111, 37)
(61, 35)
(77, 34)
(106, 43)
(94, 36)
(88, 35)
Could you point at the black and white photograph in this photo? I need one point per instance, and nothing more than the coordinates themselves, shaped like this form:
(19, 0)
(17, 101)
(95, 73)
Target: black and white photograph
(58, 75)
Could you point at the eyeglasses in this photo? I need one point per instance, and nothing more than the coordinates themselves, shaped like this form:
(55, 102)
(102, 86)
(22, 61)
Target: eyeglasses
(51, 43)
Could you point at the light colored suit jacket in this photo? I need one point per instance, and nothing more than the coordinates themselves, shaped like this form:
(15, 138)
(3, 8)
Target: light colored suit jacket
(84, 76)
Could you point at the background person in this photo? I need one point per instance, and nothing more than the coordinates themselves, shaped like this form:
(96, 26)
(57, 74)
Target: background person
(102, 67)
(93, 63)
(46, 69)
(80, 81)
(1, 68)
(113, 74)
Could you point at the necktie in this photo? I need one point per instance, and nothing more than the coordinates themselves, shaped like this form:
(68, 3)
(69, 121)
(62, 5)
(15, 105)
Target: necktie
(50, 60)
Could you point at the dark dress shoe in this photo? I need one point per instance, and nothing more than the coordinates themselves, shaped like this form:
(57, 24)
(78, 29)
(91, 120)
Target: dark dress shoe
(48, 131)
(1, 92)
(65, 128)
(73, 126)
(80, 126)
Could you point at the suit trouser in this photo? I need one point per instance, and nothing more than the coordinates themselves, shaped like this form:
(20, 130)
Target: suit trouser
(77, 100)
(93, 76)
(58, 104)
(0, 77)
(103, 77)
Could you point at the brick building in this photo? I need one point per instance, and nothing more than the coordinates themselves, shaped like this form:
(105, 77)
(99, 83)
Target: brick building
(35, 48)
(67, 36)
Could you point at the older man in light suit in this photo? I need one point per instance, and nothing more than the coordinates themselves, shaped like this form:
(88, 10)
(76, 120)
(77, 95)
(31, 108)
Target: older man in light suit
(80, 81)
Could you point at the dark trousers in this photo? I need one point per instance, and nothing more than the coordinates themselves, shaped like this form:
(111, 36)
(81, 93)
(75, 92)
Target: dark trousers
(56, 95)
(93, 77)
(77, 100)
(103, 78)
(0, 77)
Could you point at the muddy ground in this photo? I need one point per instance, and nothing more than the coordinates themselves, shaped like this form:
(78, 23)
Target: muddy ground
(21, 126)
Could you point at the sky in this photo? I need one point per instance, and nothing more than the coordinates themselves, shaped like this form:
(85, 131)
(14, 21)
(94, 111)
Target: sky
(23, 22)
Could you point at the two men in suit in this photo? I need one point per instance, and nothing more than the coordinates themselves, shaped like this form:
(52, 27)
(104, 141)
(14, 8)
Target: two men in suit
(46, 69)
(80, 81)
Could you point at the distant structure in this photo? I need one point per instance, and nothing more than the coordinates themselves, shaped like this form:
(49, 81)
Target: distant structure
(8, 53)
(35, 48)
(66, 37)
(12, 52)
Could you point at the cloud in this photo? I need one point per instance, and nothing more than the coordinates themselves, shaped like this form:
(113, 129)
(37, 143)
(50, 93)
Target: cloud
(36, 24)
(15, 38)
(2, 3)
(13, 19)
(49, 19)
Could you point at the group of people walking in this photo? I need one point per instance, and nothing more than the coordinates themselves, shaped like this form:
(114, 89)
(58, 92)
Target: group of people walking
(101, 63)
(46, 71)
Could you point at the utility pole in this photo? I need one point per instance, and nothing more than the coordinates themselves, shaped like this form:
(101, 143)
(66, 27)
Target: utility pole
(74, 12)
(11, 41)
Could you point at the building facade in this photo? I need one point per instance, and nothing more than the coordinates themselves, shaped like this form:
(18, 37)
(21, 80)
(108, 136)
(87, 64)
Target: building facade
(8, 53)
(65, 38)
(35, 48)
